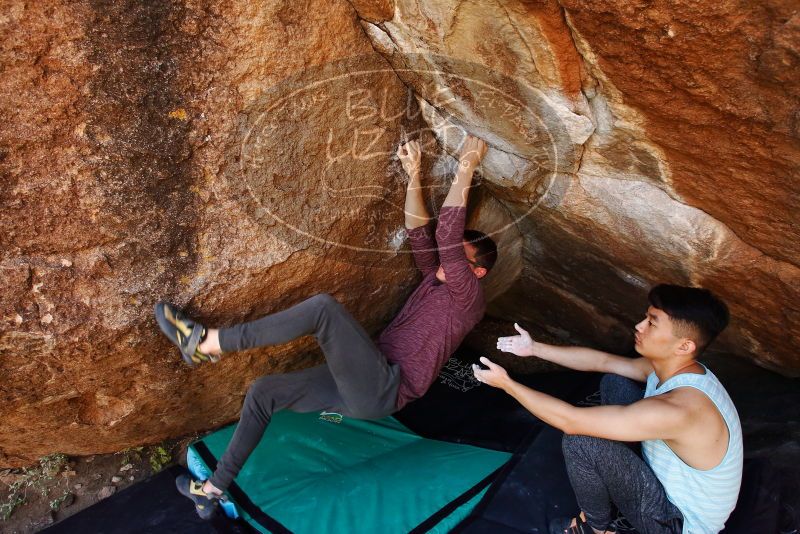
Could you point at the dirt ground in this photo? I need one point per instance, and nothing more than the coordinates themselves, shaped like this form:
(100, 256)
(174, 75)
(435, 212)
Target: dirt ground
(35, 497)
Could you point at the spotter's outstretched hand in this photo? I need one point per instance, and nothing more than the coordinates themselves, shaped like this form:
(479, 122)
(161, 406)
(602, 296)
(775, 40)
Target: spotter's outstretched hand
(494, 376)
(521, 345)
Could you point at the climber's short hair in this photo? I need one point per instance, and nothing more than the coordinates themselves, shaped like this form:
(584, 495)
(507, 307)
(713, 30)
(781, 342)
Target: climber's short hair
(485, 247)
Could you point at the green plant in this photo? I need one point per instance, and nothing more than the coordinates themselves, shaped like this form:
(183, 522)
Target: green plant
(7, 508)
(131, 455)
(51, 465)
(159, 458)
(56, 503)
(37, 478)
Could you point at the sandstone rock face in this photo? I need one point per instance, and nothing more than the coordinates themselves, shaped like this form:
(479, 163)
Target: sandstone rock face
(145, 147)
(236, 158)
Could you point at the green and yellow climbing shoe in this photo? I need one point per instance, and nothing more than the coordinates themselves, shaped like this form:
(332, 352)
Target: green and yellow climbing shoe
(184, 332)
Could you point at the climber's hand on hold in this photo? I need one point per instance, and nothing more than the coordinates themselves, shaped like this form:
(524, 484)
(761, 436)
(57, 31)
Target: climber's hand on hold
(472, 152)
(410, 156)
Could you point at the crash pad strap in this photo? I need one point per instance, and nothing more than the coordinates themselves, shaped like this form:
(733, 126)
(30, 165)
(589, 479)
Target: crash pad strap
(257, 514)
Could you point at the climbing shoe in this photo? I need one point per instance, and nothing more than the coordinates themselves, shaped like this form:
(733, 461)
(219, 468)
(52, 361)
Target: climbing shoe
(205, 505)
(183, 332)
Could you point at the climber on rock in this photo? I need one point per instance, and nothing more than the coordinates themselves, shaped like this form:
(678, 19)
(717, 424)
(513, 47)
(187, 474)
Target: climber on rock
(688, 474)
(360, 378)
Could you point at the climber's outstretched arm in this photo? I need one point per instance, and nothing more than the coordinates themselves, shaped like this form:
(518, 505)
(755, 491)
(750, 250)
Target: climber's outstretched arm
(416, 213)
(472, 152)
(420, 231)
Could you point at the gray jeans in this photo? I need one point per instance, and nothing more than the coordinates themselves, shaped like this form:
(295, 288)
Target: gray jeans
(603, 472)
(355, 380)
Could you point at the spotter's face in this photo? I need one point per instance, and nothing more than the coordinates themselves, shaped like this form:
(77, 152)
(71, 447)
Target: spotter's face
(654, 336)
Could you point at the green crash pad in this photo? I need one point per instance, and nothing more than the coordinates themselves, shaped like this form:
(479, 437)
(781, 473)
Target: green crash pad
(310, 475)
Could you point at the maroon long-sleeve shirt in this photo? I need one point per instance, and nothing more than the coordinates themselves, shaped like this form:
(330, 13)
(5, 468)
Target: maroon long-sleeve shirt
(437, 316)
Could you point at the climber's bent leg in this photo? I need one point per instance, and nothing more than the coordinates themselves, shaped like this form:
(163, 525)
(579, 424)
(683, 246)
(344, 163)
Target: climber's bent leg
(366, 382)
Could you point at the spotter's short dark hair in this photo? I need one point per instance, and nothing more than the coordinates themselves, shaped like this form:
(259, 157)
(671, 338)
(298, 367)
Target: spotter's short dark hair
(696, 313)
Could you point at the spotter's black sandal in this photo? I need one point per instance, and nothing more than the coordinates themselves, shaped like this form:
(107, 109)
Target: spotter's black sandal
(563, 525)
(184, 332)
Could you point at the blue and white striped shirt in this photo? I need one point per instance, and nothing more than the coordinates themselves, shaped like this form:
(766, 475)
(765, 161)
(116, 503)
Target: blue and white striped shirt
(705, 497)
